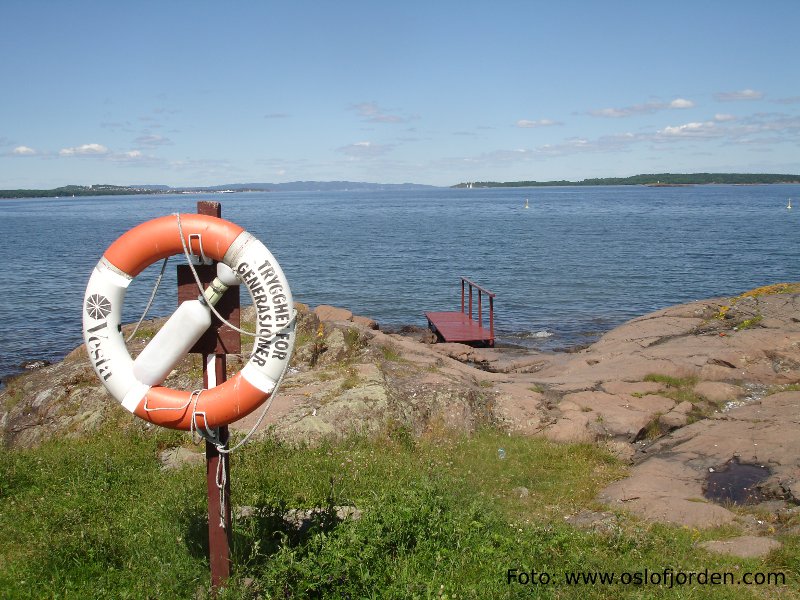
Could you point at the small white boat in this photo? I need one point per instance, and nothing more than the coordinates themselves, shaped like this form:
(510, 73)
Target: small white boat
(526, 203)
(789, 206)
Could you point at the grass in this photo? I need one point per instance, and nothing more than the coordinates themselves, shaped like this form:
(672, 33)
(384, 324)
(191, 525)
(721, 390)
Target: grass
(96, 518)
(390, 353)
(354, 341)
(680, 389)
(749, 323)
(788, 387)
(351, 379)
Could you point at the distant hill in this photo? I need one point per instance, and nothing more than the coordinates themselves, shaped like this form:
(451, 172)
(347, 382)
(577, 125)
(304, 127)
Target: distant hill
(316, 186)
(294, 186)
(654, 179)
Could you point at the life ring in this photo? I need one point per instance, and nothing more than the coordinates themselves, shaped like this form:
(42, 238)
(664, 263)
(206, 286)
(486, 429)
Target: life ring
(253, 265)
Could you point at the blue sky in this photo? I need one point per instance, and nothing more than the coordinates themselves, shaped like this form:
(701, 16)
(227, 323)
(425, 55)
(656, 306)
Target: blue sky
(438, 92)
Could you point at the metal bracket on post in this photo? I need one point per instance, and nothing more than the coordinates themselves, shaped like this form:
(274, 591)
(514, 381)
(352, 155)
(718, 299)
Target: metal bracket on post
(201, 258)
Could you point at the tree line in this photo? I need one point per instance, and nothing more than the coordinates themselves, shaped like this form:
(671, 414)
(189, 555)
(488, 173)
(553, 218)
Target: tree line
(653, 179)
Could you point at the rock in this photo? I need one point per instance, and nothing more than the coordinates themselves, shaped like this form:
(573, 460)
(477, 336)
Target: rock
(366, 322)
(601, 522)
(618, 416)
(518, 408)
(34, 364)
(673, 420)
(302, 518)
(332, 313)
(666, 490)
(622, 450)
(746, 546)
(668, 484)
(677, 417)
(631, 387)
(521, 492)
(718, 392)
(175, 458)
(572, 427)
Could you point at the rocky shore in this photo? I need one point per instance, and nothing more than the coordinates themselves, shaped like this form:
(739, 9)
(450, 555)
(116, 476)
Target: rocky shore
(680, 393)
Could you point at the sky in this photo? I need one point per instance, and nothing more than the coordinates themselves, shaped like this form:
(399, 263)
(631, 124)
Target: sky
(192, 93)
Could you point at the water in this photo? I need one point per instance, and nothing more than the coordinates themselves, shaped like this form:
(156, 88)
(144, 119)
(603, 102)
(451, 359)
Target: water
(575, 264)
(736, 483)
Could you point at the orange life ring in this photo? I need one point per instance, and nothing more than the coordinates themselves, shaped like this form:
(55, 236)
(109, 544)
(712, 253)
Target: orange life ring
(253, 265)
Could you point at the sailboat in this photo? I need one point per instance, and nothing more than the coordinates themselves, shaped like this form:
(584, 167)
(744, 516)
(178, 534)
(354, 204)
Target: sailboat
(789, 206)
(526, 203)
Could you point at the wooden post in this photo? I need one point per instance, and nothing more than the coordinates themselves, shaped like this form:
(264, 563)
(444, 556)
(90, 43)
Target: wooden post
(218, 341)
(219, 530)
(219, 537)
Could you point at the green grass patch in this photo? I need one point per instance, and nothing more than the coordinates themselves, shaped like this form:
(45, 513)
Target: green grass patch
(351, 379)
(96, 518)
(788, 387)
(671, 382)
(748, 323)
(390, 353)
(354, 341)
(680, 389)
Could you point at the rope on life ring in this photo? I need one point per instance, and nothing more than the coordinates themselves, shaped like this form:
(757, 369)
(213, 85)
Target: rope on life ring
(136, 384)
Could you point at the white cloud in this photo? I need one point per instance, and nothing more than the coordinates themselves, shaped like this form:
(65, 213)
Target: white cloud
(130, 156)
(23, 151)
(152, 140)
(613, 113)
(135, 158)
(723, 118)
(85, 150)
(619, 142)
(641, 109)
(525, 123)
(692, 130)
(681, 103)
(746, 94)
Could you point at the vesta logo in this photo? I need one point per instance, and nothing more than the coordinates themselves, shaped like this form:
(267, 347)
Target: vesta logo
(94, 343)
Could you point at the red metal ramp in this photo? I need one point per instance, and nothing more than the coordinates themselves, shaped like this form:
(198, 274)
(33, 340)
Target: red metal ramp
(459, 326)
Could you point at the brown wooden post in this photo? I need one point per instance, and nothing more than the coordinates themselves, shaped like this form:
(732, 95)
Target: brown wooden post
(215, 343)
(219, 533)
(219, 537)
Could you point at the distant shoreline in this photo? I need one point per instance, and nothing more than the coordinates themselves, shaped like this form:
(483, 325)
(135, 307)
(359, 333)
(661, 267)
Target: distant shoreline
(652, 180)
(69, 191)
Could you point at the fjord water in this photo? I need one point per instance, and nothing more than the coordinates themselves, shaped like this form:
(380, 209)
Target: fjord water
(577, 262)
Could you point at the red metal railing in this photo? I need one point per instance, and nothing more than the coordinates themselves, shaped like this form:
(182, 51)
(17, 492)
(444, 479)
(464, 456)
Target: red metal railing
(481, 290)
